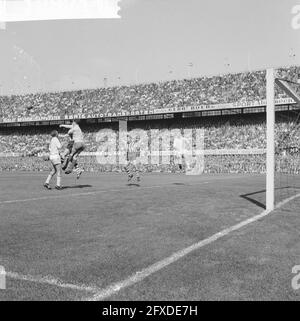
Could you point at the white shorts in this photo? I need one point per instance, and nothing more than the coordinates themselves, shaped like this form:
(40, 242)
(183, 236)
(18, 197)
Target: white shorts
(55, 159)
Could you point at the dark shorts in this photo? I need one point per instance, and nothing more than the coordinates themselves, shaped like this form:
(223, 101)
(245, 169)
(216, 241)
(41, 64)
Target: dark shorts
(78, 148)
(70, 146)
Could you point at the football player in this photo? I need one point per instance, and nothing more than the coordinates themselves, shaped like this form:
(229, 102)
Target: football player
(131, 168)
(55, 160)
(65, 158)
(78, 145)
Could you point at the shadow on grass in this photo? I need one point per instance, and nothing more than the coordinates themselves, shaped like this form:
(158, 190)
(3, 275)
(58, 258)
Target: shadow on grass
(256, 202)
(133, 184)
(77, 186)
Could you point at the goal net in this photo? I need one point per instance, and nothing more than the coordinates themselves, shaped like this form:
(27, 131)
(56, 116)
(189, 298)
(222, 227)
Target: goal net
(287, 142)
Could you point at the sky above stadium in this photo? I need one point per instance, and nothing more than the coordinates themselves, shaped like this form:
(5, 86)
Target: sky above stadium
(155, 40)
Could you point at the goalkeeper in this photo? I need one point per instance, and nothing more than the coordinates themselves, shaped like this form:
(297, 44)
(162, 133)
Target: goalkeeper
(78, 145)
(65, 158)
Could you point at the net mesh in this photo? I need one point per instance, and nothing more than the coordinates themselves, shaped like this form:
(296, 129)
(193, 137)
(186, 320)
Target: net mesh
(287, 143)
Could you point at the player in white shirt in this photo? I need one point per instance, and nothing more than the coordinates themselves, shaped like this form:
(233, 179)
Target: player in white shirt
(132, 155)
(179, 151)
(54, 149)
(76, 132)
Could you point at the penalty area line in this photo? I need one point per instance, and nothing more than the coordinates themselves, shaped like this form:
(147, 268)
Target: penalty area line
(101, 294)
(144, 273)
(76, 194)
(141, 275)
(48, 280)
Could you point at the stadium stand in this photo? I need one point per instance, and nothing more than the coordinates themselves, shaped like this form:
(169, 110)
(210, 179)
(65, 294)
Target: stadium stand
(232, 132)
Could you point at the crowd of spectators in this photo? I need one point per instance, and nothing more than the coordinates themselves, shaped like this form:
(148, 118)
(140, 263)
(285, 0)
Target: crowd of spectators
(230, 133)
(214, 164)
(229, 88)
(234, 132)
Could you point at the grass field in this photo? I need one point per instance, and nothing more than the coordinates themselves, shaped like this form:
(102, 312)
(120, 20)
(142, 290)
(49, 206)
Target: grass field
(174, 237)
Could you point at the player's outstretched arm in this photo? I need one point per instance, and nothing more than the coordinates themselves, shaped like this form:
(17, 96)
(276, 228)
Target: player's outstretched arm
(63, 135)
(66, 126)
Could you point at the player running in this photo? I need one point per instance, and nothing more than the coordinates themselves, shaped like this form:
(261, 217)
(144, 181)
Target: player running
(78, 146)
(55, 160)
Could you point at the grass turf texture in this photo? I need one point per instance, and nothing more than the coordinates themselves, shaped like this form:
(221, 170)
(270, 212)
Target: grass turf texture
(102, 231)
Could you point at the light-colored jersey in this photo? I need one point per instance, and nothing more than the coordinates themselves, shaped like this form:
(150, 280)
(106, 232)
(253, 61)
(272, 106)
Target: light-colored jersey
(54, 146)
(132, 151)
(77, 134)
(179, 145)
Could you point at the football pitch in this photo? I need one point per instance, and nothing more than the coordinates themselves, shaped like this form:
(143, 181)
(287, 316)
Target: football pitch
(174, 237)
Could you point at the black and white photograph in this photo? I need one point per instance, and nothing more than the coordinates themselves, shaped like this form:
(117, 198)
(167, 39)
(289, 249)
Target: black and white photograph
(149, 152)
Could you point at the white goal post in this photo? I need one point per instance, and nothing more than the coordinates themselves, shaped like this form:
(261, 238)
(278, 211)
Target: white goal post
(270, 157)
